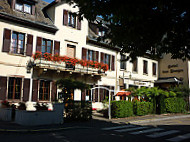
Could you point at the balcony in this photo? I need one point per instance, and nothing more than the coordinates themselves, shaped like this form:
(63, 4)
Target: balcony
(71, 65)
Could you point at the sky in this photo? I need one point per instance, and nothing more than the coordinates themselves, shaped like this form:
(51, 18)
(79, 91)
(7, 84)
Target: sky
(48, 0)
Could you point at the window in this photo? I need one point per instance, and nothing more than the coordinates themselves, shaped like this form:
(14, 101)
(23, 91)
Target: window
(135, 67)
(14, 88)
(145, 67)
(18, 40)
(91, 55)
(109, 60)
(123, 62)
(71, 20)
(23, 7)
(154, 68)
(47, 46)
(44, 92)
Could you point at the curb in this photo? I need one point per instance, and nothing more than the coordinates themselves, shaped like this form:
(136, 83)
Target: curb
(40, 130)
(157, 119)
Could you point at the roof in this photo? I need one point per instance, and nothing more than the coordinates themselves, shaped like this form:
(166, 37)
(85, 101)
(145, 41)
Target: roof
(168, 80)
(37, 19)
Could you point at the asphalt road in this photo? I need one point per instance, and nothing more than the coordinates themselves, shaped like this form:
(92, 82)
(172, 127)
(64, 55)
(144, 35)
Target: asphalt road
(175, 130)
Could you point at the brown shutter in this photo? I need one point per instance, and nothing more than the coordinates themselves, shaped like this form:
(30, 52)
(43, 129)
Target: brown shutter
(57, 47)
(26, 90)
(113, 63)
(65, 17)
(78, 23)
(102, 57)
(6, 40)
(35, 91)
(109, 61)
(54, 91)
(29, 46)
(102, 95)
(3, 88)
(84, 50)
(97, 56)
(33, 9)
(83, 95)
(96, 94)
(39, 44)
(13, 4)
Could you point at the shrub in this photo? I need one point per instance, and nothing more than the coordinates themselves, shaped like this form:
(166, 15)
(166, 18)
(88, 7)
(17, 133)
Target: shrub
(142, 108)
(175, 105)
(121, 109)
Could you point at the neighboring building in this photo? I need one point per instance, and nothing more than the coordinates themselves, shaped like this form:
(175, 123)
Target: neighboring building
(173, 72)
(30, 26)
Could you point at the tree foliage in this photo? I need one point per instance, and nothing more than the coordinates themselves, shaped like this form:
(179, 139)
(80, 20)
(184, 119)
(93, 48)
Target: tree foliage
(156, 26)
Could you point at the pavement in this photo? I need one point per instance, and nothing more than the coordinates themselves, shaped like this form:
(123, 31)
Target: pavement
(138, 120)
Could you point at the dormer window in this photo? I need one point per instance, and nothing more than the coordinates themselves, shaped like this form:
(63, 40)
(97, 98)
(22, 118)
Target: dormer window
(26, 8)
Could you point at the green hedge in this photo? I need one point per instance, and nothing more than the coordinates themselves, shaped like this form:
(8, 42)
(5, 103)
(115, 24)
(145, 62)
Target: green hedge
(175, 105)
(142, 108)
(122, 109)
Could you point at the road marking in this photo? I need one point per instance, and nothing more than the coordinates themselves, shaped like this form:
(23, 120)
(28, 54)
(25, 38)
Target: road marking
(179, 138)
(161, 134)
(131, 129)
(147, 131)
(118, 127)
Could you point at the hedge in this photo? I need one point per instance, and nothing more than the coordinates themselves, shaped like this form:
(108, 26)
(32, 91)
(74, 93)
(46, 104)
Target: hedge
(122, 109)
(175, 105)
(142, 108)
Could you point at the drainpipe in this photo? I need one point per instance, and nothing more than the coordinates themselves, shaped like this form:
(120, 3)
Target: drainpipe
(31, 82)
(116, 77)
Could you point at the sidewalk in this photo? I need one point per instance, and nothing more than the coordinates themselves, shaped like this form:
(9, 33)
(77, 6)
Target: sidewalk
(142, 119)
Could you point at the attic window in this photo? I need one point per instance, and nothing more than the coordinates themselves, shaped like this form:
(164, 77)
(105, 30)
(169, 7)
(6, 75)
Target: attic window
(23, 7)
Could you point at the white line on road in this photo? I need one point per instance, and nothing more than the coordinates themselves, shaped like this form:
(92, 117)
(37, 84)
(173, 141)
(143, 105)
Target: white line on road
(179, 138)
(147, 131)
(161, 134)
(131, 129)
(118, 127)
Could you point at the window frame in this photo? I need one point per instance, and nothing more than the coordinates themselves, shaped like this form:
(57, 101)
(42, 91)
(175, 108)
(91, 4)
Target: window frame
(17, 44)
(154, 70)
(42, 98)
(123, 63)
(12, 97)
(145, 68)
(46, 45)
(23, 7)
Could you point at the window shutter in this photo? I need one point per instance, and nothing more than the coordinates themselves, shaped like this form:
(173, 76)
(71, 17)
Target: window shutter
(113, 63)
(83, 95)
(33, 9)
(78, 23)
(54, 91)
(3, 88)
(97, 56)
(6, 40)
(35, 91)
(57, 47)
(13, 4)
(101, 94)
(39, 44)
(109, 61)
(29, 46)
(96, 95)
(26, 90)
(84, 50)
(65, 17)
(102, 57)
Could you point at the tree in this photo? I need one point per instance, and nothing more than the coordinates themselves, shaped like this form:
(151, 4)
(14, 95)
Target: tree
(140, 27)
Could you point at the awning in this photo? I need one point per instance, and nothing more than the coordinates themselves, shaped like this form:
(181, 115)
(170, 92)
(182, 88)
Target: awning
(168, 80)
(126, 93)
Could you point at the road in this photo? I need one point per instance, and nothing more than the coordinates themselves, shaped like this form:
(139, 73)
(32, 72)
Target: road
(175, 130)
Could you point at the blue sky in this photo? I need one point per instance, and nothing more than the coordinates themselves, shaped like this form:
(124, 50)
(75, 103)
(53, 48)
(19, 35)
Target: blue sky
(48, 0)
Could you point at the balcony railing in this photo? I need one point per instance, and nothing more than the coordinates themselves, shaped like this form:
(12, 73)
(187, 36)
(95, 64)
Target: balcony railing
(63, 66)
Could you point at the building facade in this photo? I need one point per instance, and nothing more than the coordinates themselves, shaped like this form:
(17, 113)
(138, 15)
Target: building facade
(34, 26)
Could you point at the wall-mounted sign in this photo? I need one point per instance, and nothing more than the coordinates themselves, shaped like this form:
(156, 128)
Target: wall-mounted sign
(171, 70)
